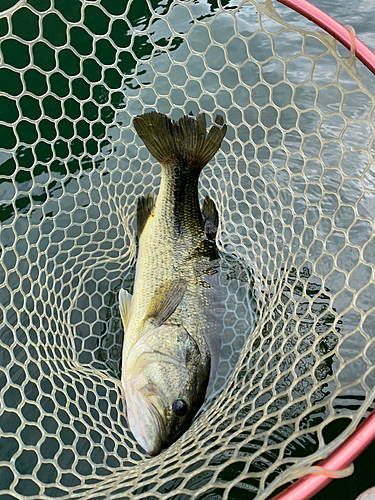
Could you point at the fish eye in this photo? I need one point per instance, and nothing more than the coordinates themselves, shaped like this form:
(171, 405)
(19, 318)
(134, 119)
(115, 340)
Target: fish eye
(179, 407)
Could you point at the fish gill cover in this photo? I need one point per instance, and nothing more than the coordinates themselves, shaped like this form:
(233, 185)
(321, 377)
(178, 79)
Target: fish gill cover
(294, 187)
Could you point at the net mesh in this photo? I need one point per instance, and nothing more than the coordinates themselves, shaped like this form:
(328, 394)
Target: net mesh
(294, 184)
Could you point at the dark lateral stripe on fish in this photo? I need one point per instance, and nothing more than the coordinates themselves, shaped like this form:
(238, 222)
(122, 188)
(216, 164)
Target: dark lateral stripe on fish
(185, 140)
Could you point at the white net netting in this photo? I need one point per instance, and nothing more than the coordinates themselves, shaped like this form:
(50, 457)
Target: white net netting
(294, 184)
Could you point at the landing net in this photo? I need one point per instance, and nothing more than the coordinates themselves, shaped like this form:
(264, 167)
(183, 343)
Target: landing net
(294, 185)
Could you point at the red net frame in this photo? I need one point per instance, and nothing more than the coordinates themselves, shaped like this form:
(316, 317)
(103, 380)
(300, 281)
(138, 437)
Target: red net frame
(334, 28)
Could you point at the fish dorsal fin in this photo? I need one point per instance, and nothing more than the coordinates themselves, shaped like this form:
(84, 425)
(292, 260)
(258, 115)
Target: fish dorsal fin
(184, 141)
(165, 301)
(125, 300)
(211, 218)
(145, 207)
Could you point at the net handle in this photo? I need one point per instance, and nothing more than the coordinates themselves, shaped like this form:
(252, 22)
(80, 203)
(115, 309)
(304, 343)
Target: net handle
(334, 28)
(307, 486)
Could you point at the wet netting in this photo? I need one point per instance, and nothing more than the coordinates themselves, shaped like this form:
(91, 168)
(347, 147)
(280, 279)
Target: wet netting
(294, 184)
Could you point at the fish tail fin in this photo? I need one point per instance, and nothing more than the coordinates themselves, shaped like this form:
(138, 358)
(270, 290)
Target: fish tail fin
(186, 140)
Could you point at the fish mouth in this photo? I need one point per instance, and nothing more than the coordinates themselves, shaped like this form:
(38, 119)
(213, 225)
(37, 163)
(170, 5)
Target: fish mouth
(147, 426)
(159, 424)
(154, 441)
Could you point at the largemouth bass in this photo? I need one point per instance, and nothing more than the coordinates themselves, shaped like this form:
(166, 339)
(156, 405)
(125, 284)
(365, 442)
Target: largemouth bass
(171, 343)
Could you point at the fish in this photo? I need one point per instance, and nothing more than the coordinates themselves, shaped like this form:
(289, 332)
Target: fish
(172, 332)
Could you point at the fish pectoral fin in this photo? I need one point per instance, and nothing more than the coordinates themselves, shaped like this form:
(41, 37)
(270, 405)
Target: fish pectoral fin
(211, 218)
(165, 301)
(125, 300)
(145, 207)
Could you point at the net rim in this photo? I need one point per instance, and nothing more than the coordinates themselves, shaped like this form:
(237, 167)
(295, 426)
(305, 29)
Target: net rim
(307, 486)
(334, 28)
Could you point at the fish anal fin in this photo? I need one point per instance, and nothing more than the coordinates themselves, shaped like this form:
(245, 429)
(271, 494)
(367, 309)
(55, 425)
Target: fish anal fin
(125, 300)
(165, 301)
(145, 207)
(211, 218)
